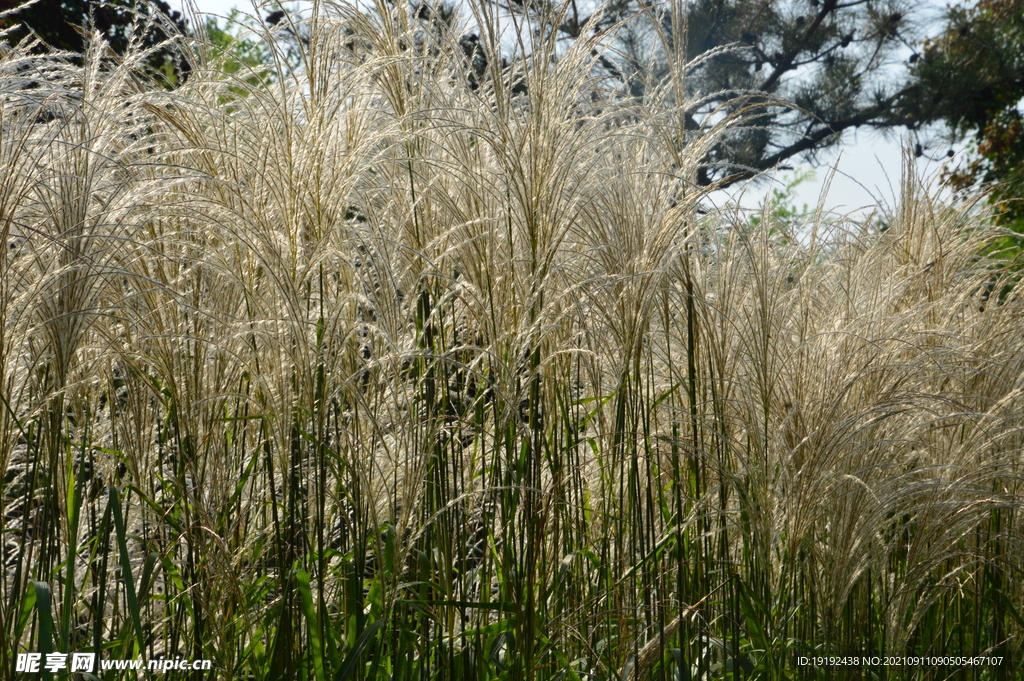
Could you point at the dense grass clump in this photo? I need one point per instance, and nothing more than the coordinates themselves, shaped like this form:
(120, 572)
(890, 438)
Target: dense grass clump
(411, 363)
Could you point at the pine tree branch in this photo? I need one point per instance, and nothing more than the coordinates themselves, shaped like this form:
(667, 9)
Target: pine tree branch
(874, 115)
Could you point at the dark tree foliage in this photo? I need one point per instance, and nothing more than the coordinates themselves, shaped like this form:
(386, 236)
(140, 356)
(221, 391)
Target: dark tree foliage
(57, 24)
(829, 58)
(971, 77)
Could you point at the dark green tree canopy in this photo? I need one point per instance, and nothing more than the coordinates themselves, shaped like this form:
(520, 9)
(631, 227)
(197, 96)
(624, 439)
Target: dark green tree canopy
(971, 78)
(802, 71)
(57, 22)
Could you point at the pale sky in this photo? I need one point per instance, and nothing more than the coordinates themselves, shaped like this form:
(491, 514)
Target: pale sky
(868, 165)
(221, 7)
(868, 170)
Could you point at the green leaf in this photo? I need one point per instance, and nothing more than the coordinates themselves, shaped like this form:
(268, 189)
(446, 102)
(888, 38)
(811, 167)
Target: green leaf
(126, 569)
(352, 661)
(312, 623)
(44, 606)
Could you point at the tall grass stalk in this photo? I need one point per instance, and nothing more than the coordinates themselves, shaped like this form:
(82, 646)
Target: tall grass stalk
(412, 364)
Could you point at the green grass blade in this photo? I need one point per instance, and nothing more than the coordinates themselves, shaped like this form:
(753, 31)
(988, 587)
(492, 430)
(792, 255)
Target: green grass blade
(348, 668)
(312, 623)
(126, 569)
(43, 601)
